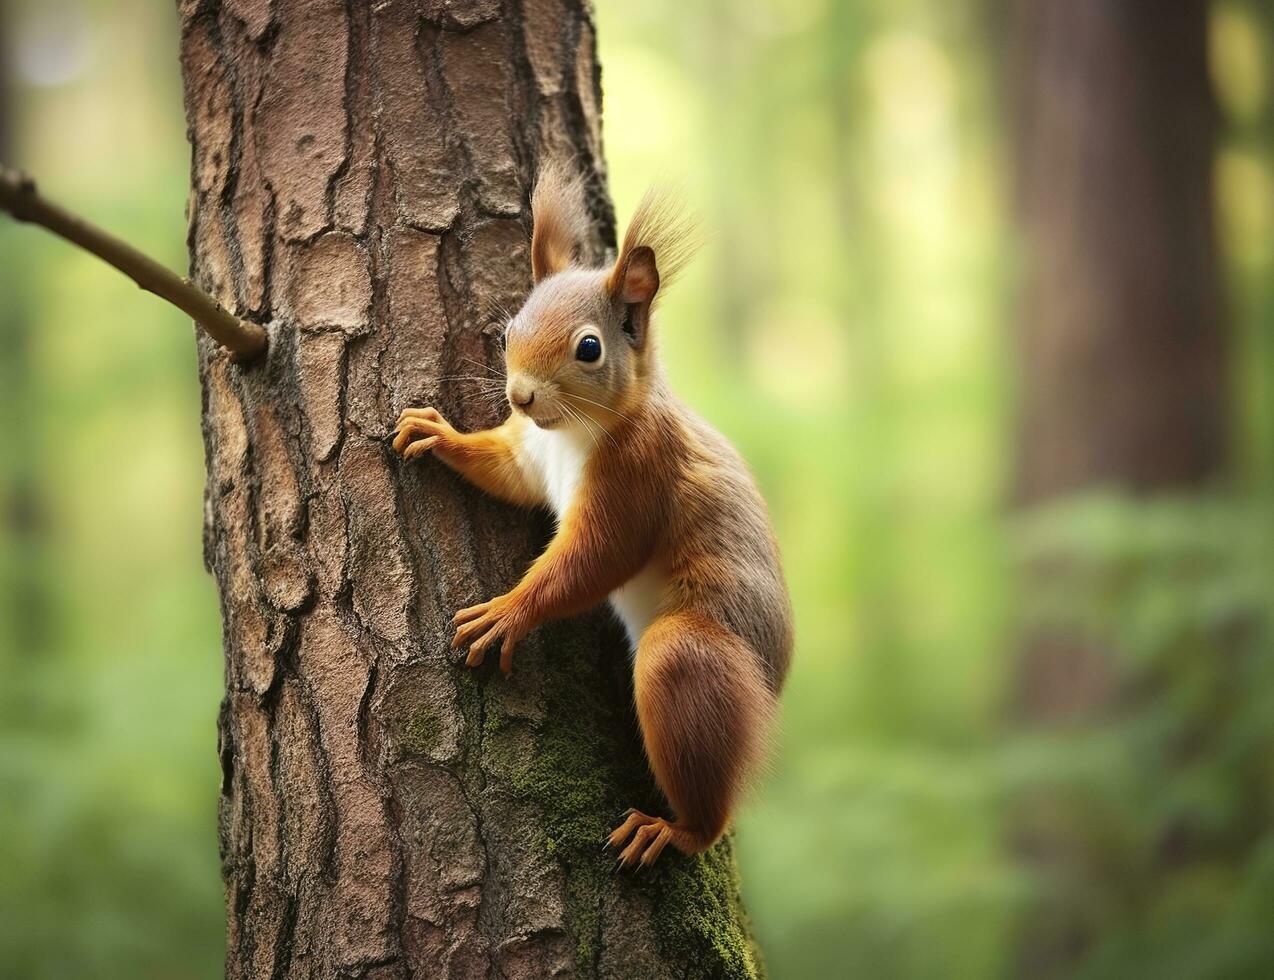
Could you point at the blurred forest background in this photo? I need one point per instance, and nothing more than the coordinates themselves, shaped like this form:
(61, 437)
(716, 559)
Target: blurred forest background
(988, 303)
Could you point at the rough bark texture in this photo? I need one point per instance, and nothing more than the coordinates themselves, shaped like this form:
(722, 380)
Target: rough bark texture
(1122, 368)
(1121, 341)
(360, 182)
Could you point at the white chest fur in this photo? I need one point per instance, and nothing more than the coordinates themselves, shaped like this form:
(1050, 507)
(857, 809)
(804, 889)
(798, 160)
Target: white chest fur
(555, 459)
(637, 601)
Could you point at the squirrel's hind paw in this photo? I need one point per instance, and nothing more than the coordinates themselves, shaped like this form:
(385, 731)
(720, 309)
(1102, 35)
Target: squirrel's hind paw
(650, 835)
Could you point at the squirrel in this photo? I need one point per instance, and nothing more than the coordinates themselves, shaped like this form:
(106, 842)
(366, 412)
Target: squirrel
(655, 511)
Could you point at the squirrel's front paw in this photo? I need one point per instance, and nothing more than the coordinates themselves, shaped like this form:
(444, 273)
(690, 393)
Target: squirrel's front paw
(420, 430)
(489, 622)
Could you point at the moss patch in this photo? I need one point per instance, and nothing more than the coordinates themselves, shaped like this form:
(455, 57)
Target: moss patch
(420, 734)
(586, 769)
(699, 908)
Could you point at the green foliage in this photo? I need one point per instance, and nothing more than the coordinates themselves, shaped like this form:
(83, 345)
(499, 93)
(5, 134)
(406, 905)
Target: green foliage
(1164, 799)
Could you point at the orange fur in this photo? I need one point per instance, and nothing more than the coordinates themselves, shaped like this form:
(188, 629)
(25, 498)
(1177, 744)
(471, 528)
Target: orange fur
(659, 499)
(485, 459)
(704, 709)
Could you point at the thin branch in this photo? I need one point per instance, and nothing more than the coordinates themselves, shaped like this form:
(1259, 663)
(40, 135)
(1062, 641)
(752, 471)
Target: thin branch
(19, 197)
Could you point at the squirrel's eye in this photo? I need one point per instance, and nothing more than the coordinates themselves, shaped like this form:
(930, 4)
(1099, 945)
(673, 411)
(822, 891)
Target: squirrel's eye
(588, 350)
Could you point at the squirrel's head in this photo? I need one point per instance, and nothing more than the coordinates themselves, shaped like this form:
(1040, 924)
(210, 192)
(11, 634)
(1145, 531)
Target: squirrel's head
(582, 344)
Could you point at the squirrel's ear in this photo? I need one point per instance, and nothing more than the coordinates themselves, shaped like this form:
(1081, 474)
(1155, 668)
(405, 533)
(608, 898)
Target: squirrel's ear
(660, 232)
(559, 221)
(634, 282)
(638, 280)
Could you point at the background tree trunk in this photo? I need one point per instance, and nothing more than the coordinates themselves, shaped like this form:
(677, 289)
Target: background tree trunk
(360, 181)
(1122, 368)
(1121, 346)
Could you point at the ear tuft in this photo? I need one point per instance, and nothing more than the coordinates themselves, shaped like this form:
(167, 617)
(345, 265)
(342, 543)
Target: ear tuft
(559, 220)
(659, 242)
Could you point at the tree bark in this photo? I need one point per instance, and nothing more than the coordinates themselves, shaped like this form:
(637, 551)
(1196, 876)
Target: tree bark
(360, 183)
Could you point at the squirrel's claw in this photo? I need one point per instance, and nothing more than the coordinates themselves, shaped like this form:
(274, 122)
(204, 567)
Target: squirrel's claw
(506, 656)
(650, 835)
(473, 632)
(420, 447)
(482, 625)
(428, 414)
(632, 820)
(470, 613)
(417, 426)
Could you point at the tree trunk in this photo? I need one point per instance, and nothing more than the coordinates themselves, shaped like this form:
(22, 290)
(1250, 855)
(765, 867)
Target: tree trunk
(360, 182)
(1122, 368)
(1121, 346)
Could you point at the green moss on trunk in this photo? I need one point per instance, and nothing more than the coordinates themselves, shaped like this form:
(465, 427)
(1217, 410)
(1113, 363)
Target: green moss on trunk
(586, 769)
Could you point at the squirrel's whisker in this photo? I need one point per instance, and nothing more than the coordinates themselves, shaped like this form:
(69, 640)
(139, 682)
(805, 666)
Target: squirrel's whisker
(491, 382)
(576, 416)
(566, 396)
(605, 408)
(486, 367)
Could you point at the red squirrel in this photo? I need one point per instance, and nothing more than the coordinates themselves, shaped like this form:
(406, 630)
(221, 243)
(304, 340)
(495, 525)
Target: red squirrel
(655, 511)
